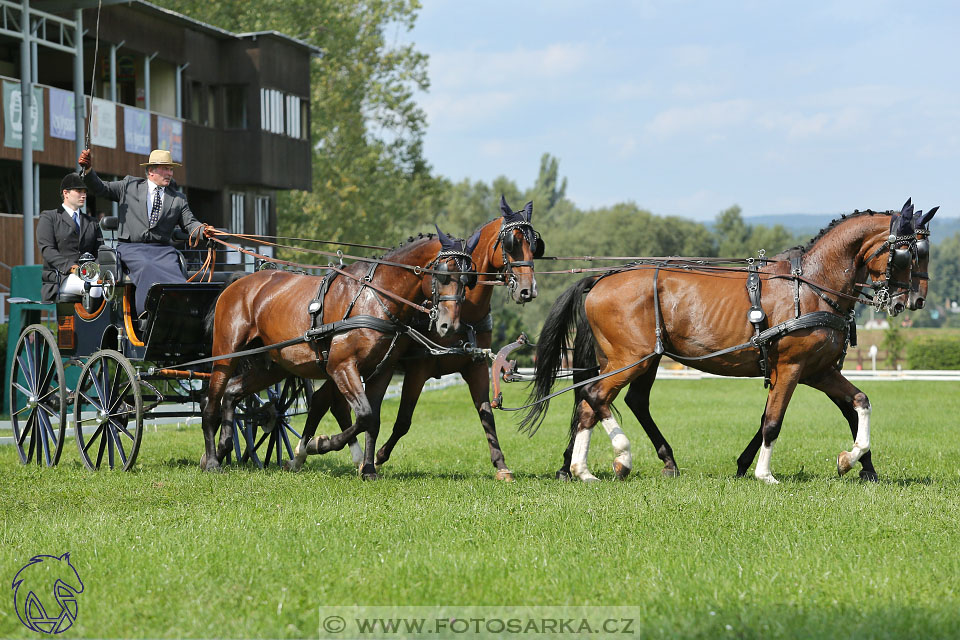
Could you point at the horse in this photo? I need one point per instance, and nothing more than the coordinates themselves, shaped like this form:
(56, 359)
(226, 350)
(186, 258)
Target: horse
(700, 316)
(505, 248)
(356, 316)
(919, 279)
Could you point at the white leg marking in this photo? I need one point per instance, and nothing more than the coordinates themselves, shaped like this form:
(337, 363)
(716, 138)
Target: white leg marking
(621, 445)
(299, 456)
(578, 461)
(762, 472)
(356, 452)
(862, 444)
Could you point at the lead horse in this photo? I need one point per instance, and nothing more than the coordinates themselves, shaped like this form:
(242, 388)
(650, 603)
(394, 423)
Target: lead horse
(505, 248)
(795, 333)
(356, 318)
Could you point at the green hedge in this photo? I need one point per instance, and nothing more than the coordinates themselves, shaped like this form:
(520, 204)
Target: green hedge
(934, 352)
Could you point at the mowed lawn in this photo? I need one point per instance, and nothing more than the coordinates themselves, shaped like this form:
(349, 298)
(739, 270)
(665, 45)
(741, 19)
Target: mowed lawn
(168, 551)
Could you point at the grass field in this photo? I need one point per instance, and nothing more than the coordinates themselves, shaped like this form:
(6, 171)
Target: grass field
(167, 551)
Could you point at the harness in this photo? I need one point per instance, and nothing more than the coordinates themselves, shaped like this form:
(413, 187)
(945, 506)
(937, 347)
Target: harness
(505, 237)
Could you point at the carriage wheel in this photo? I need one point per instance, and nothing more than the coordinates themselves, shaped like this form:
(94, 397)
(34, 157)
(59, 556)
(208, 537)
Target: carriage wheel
(262, 422)
(108, 392)
(38, 397)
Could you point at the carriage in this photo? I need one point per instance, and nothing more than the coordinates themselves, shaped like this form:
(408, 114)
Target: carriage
(106, 372)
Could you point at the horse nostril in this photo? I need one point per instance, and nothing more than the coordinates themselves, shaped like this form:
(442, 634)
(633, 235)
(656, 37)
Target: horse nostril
(524, 294)
(919, 303)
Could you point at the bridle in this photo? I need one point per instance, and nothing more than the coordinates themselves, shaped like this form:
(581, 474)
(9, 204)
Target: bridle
(466, 277)
(900, 258)
(506, 240)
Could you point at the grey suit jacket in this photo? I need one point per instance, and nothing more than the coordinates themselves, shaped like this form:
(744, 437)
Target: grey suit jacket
(61, 247)
(132, 194)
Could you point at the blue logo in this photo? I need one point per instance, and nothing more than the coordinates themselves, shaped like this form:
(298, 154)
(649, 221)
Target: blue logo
(45, 593)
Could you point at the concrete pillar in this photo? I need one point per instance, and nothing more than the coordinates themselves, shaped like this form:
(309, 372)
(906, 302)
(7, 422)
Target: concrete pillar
(26, 99)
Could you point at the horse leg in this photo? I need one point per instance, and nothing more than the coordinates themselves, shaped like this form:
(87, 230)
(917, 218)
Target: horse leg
(784, 383)
(319, 403)
(595, 407)
(366, 408)
(211, 415)
(248, 381)
(341, 413)
(638, 399)
(856, 408)
(414, 378)
(564, 473)
(478, 380)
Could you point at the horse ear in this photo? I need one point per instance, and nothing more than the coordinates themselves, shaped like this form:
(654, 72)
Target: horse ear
(528, 210)
(894, 220)
(925, 220)
(473, 241)
(504, 207)
(445, 240)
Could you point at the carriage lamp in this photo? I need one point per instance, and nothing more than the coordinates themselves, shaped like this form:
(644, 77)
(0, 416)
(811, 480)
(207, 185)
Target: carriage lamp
(89, 270)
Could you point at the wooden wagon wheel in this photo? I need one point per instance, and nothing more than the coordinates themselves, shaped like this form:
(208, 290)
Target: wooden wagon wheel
(38, 397)
(108, 392)
(262, 422)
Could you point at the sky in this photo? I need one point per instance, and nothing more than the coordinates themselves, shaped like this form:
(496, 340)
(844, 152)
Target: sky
(686, 108)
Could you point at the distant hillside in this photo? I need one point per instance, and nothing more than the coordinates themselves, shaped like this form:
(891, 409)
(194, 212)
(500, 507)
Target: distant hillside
(808, 225)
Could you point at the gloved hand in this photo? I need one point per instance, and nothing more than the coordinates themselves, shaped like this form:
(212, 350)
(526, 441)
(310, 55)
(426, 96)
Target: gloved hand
(84, 160)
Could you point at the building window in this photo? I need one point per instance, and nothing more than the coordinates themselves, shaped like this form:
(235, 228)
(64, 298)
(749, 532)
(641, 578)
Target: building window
(293, 116)
(235, 107)
(304, 119)
(236, 212)
(283, 114)
(261, 221)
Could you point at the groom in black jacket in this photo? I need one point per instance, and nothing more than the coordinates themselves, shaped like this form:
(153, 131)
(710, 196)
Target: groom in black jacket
(63, 235)
(150, 209)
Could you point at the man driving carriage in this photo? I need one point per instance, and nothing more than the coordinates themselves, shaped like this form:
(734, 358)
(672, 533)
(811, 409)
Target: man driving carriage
(149, 212)
(63, 235)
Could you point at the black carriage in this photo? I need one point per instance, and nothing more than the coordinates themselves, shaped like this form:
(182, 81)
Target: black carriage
(100, 372)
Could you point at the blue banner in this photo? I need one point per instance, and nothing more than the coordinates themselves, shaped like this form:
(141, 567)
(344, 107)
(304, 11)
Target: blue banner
(63, 120)
(170, 137)
(136, 131)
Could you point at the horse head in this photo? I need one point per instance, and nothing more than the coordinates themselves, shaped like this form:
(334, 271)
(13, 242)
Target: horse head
(520, 244)
(890, 266)
(920, 278)
(448, 276)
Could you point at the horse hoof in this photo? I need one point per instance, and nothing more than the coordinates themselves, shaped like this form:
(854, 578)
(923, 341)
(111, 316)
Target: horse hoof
(769, 479)
(590, 479)
(291, 466)
(620, 471)
(369, 477)
(563, 476)
(505, 475)
(672, 472)
(869, 476)
(843, 463)
(209, 465)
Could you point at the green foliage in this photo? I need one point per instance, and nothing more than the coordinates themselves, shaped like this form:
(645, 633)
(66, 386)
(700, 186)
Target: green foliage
(737, 239)
(934, 352)
(894, 343)
(249, 553)
(945, 272)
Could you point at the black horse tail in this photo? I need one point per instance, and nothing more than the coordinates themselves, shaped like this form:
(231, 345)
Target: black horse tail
(584, 365)
(208, 320)
(551, 345)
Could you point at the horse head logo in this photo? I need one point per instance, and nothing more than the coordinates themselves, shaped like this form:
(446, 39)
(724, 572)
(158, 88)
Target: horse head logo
(45, 593)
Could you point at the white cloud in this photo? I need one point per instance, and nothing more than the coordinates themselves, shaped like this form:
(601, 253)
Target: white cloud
(454, 111)
(712, 118)
(841, 123)
(520, 66)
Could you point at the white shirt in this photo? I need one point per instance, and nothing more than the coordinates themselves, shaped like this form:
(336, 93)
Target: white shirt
(151, 191)
(70, 213)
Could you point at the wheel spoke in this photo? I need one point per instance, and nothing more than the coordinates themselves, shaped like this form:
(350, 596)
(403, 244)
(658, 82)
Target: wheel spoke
(97, 433)
(19, 411)
(266, 458)
(26, 428)
(105, 382)
(44, 440)
(286, 441)
(116, 440)
(103, 445)
(286, 426)
(89, 401)
(117, 399)
(116, 387)
(96, 385)
(50, 410)
(120, 427)
(26, 370)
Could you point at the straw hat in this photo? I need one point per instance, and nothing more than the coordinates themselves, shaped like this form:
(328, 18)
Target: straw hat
(160, 157)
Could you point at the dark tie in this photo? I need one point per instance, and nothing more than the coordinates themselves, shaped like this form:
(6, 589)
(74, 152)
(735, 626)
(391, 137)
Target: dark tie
(76, 221)
(155, 211)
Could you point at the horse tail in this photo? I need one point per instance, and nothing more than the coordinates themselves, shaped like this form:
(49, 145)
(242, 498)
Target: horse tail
(209, 319)
(584, 365)
(550, 348)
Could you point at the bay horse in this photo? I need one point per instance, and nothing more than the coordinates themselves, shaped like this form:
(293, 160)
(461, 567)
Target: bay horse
(505, 248)
(919, 280)
(370, 297)
(629, 319)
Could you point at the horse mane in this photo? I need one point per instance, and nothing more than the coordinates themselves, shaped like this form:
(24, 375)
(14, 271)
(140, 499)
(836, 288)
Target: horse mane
(804, 248)
(406, 244)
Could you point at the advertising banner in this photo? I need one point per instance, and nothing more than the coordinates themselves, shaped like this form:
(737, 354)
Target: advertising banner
(13, 116)
(63, 122)
(103, 123)
(170, 137)
(136, 130)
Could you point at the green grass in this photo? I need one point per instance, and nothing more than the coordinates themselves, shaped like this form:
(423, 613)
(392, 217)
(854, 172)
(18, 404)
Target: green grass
(167, 551)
